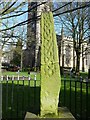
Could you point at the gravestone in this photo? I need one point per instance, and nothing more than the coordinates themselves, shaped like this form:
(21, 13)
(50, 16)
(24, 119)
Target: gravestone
(50, 73)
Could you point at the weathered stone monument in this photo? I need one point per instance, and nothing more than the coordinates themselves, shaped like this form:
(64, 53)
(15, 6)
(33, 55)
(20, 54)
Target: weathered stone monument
(50, 73)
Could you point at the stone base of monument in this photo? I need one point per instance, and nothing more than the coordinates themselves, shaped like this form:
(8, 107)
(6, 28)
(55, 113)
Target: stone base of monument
(63, 114)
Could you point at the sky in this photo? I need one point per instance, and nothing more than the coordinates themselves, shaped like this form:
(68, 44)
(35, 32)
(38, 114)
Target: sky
(24, 17)
(16, 20)
(21, 17)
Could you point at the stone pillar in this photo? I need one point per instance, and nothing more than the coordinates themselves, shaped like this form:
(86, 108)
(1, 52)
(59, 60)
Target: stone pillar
(50, 73)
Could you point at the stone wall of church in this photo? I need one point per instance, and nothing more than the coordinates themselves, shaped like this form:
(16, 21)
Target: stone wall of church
(66, 54)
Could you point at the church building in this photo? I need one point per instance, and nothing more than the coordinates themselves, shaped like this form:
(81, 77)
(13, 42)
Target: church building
(67, 54)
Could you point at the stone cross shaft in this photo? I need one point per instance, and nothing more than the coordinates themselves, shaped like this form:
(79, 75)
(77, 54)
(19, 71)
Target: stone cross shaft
(50, 72)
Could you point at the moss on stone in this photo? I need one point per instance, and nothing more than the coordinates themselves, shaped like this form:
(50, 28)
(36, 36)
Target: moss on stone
(50, 72)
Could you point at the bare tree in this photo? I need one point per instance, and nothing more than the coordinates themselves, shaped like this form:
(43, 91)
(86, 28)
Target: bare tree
(9, 37)
(75, 23)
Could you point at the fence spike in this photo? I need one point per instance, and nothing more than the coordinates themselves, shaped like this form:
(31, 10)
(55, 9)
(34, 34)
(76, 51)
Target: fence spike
(12, 77)
(23, 77)
(1, 78)
(18, 77)
(35, 77)
(7, 77)
(29, 77)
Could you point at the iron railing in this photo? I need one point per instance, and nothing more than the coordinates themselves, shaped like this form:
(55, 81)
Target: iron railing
(19, 95)
(75, 94)
(22, 94)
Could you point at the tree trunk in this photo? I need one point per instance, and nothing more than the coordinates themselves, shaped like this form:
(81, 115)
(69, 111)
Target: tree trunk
(0, 62)
(21, 60)
(82, 64)
(73, 59)
(59, 53)
(77, 62)
(89, 73)
(73, 49)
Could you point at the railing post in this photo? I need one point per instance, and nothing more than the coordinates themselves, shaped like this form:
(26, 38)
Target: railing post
(70, 96)
(34, 90)
(87, 99)
(13, 78)
(35, 77)
(35, 80)
(7, 94)
(18, 77)
(64, 91)
(1, 98)
(23, 78)
(75, 98)
(12, 97)
(17, 94)
(81, 98)
(7, 77)
(23, 95)
(28, 90)
(29, 77)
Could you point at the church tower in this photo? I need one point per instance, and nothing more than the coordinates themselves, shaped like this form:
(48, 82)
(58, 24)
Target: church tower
(31, 26)
(33, 33)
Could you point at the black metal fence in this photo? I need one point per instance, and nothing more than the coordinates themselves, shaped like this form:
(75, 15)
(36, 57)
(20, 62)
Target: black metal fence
(20, 95)
(75, 94)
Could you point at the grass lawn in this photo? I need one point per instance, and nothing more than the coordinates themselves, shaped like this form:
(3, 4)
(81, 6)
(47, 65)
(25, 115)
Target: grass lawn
(15, 73)
(32, 74)
(22, 96)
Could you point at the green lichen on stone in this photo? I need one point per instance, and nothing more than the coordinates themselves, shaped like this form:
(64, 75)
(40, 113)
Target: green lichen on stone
(50, 71)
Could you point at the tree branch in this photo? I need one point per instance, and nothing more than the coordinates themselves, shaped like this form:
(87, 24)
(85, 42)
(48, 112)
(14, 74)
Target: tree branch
(72, 10)
(24, 11)
(38, 17)
(8, 7)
